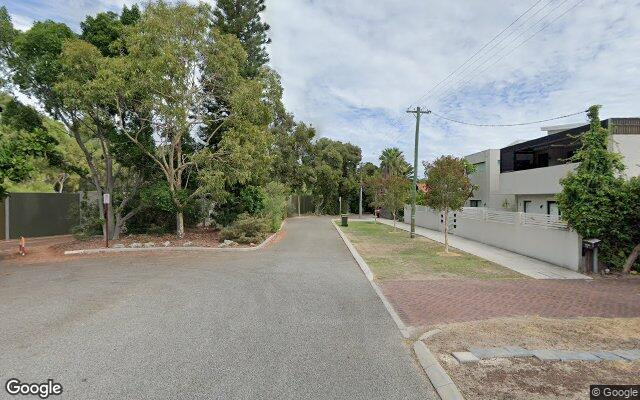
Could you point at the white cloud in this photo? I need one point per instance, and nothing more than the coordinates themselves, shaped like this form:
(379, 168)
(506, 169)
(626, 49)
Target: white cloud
(352, 68)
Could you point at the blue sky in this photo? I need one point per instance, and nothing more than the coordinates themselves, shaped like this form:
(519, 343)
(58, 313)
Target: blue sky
(351, 68)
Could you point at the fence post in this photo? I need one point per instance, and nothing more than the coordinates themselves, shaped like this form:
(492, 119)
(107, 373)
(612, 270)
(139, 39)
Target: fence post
(520, 220)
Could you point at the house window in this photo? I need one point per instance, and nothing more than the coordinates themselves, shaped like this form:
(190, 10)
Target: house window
(552, 208)
(526, 206)
(474, 203)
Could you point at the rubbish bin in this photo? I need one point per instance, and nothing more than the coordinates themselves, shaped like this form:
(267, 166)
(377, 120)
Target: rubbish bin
(345, 219)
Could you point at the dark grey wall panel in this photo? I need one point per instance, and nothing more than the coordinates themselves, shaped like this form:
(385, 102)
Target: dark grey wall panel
(2, 222)
(42, 214)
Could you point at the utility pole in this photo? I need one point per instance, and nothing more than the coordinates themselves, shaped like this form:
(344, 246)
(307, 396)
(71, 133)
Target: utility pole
(418, 112)
(360, 190)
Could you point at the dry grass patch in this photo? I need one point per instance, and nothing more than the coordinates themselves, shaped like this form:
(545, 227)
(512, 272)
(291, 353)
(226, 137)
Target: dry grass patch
(391, 254)
(527, 377)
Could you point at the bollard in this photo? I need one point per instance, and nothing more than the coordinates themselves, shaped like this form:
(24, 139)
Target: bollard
(22, 248)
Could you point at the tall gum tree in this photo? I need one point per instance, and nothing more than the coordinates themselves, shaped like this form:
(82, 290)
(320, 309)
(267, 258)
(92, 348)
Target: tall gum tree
(174, 57)
(37, 68)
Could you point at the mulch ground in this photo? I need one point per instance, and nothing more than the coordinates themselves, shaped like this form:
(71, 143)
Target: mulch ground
(200, 237)
(431, 302)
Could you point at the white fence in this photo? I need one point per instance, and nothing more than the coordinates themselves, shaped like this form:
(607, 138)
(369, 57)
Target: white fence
(539, 236)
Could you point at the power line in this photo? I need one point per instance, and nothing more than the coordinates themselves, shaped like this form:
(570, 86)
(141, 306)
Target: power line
(462, 82)
(476, 53)
(505, 125)
(498, 47)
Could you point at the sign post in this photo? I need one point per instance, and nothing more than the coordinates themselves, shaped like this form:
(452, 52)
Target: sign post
(106, 199)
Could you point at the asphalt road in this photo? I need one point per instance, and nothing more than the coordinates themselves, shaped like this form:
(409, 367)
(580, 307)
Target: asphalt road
(296, 320)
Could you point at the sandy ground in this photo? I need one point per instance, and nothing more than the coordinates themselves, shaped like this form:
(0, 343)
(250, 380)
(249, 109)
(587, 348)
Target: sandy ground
(51, 249)
(527, 377)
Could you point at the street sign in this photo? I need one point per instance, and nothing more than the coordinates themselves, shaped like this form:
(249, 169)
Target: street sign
(106, 198)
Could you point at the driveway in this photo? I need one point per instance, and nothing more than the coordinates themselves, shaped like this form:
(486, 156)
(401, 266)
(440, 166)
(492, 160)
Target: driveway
(430, 302)
(295, 320)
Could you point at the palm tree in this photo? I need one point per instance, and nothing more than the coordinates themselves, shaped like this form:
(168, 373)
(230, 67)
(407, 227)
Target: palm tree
(392, 162)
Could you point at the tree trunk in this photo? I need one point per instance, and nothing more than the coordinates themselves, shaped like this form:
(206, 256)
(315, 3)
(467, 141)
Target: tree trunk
(108, 175)
(180, 224)
(394, 221)
(298, 204)
(446, 230)
(117, 228)
(631, 260)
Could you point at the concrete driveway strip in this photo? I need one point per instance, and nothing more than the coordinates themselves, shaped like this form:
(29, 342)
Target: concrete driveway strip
(296, 320)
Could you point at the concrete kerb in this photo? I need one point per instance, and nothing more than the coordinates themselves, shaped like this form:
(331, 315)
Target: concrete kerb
(406, 331)
(177, 248)
(441, 381)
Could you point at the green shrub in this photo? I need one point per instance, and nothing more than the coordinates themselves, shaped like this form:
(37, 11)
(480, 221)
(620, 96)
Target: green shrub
(275, 204)
(240, 199)
(157, 214)
(90, 222)
(246, 229)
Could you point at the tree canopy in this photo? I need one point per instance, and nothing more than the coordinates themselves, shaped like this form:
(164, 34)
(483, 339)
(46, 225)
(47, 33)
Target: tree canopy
(449, 187)
(392, 162)
(596, 200)
(170, 109)
(241, 18)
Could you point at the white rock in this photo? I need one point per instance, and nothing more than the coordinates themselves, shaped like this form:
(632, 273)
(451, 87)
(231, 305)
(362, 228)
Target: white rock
(150, 244)
(135, 245)
(228, 242)
(187, 244)
(166, 244)
(118, 246)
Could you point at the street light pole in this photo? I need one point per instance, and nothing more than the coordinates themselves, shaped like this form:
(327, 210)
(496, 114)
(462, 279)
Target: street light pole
(418, 112)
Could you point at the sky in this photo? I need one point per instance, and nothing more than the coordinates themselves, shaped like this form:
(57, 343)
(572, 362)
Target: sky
(352, 68)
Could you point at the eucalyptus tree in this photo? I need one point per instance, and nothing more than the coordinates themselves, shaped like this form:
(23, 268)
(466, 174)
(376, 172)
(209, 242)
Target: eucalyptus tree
(49, 64)
(174, 57)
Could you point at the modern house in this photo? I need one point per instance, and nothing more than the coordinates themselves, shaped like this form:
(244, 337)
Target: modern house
(525, 176)
(486, 178)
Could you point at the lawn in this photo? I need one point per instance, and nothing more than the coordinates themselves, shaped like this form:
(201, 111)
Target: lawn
(391, 254)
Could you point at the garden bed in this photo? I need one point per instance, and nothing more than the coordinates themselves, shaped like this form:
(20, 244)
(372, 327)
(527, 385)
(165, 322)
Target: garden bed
(197, 237)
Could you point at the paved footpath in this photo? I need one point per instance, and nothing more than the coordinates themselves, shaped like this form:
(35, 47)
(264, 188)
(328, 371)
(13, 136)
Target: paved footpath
(297, 320)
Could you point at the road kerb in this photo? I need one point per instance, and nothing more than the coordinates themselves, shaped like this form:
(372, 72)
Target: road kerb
(441, 381)
(406, 331)
(439, 378)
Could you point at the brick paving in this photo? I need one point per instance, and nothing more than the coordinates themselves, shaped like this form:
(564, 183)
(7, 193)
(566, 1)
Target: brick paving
(429, 302)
